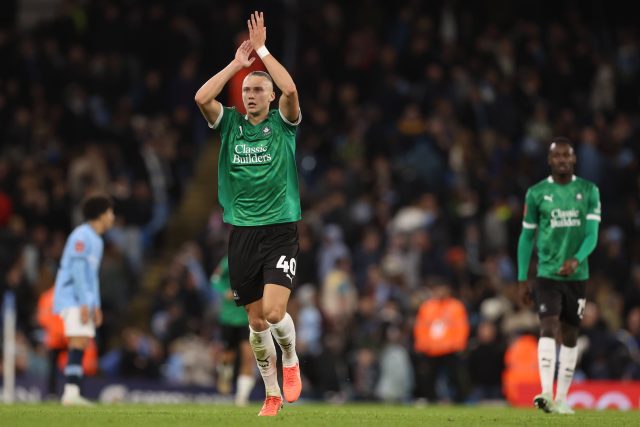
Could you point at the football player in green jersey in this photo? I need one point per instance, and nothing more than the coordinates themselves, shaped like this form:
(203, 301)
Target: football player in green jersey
(258, 190)
(565, 211)
(235, 336)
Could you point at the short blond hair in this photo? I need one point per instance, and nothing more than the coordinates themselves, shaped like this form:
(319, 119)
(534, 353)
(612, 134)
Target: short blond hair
(261, 74)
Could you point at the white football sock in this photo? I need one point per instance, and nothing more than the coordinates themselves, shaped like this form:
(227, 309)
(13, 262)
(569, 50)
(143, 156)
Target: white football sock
(568, 359)
(265, 352)
(244, 387)
(71, 390)
(285, 334)
(547, 363)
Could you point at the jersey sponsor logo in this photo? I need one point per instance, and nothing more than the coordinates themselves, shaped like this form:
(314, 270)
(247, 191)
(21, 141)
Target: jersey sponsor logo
(249, 149)
(252, 159)
(79, 246)
(565, 218)
(245, 154)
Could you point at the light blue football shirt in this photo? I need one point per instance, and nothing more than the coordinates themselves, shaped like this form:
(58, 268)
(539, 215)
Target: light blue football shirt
(77, 280)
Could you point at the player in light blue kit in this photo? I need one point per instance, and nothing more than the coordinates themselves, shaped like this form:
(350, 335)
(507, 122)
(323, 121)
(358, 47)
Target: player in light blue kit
(77, 290)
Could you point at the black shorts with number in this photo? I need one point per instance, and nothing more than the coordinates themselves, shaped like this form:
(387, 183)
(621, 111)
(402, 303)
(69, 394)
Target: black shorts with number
(566, 299)
(262, 255)
(232, 336)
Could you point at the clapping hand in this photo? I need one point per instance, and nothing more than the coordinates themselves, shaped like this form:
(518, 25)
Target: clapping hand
(242, 54)
(257, 30)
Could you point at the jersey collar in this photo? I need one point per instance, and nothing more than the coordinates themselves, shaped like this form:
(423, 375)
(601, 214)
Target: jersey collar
(551, 181)
(246, 117)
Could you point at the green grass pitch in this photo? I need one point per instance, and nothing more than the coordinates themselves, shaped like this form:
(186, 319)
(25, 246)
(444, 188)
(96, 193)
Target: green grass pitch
(303, 414)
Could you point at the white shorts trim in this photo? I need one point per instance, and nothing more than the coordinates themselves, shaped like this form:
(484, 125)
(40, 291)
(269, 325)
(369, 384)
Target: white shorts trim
(73, 327)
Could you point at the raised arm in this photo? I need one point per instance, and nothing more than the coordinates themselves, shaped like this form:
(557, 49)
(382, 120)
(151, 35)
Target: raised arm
(288, 104)
(206, 95)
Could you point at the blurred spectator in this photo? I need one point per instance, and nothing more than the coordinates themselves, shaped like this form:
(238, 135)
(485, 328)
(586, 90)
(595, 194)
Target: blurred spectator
(396, 379)
(54, 338)
(486, 363)
(309, 328)
(338, 299)
(331, 250)
(633, 326)
(597, 342)
(521, 365)
(441, 332)
(141, 355)
(190, 361)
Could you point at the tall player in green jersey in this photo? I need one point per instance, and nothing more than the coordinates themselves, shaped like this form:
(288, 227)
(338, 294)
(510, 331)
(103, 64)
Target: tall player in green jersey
(565, 210)
(258, 190)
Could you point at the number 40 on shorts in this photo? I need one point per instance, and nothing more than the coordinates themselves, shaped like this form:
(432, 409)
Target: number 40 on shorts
(287, 266)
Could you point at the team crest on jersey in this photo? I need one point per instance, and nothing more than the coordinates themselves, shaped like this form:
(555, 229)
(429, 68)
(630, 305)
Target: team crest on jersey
(266, 130)
(79, 246)
(579, 196)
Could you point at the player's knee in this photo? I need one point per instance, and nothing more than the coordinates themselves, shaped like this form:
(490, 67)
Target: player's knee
(274, 315)
(549, 327)
(547, 333)
(569, 336)
(258, 324)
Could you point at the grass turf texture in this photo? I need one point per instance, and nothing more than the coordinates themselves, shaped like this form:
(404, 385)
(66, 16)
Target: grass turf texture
(308, 414)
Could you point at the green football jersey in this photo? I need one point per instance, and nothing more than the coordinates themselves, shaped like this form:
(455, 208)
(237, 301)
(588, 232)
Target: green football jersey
(560, 213)
(257, 174)
(230, 314)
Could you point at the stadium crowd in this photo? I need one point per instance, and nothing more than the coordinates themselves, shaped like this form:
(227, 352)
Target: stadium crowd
(423, 126)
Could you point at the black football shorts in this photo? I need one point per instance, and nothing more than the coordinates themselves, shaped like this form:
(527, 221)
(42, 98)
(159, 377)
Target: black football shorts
(232, 336)
(566, 299)
(261, 255)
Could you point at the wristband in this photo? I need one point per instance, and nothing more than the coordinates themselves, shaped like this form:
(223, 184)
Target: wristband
(262, 51)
